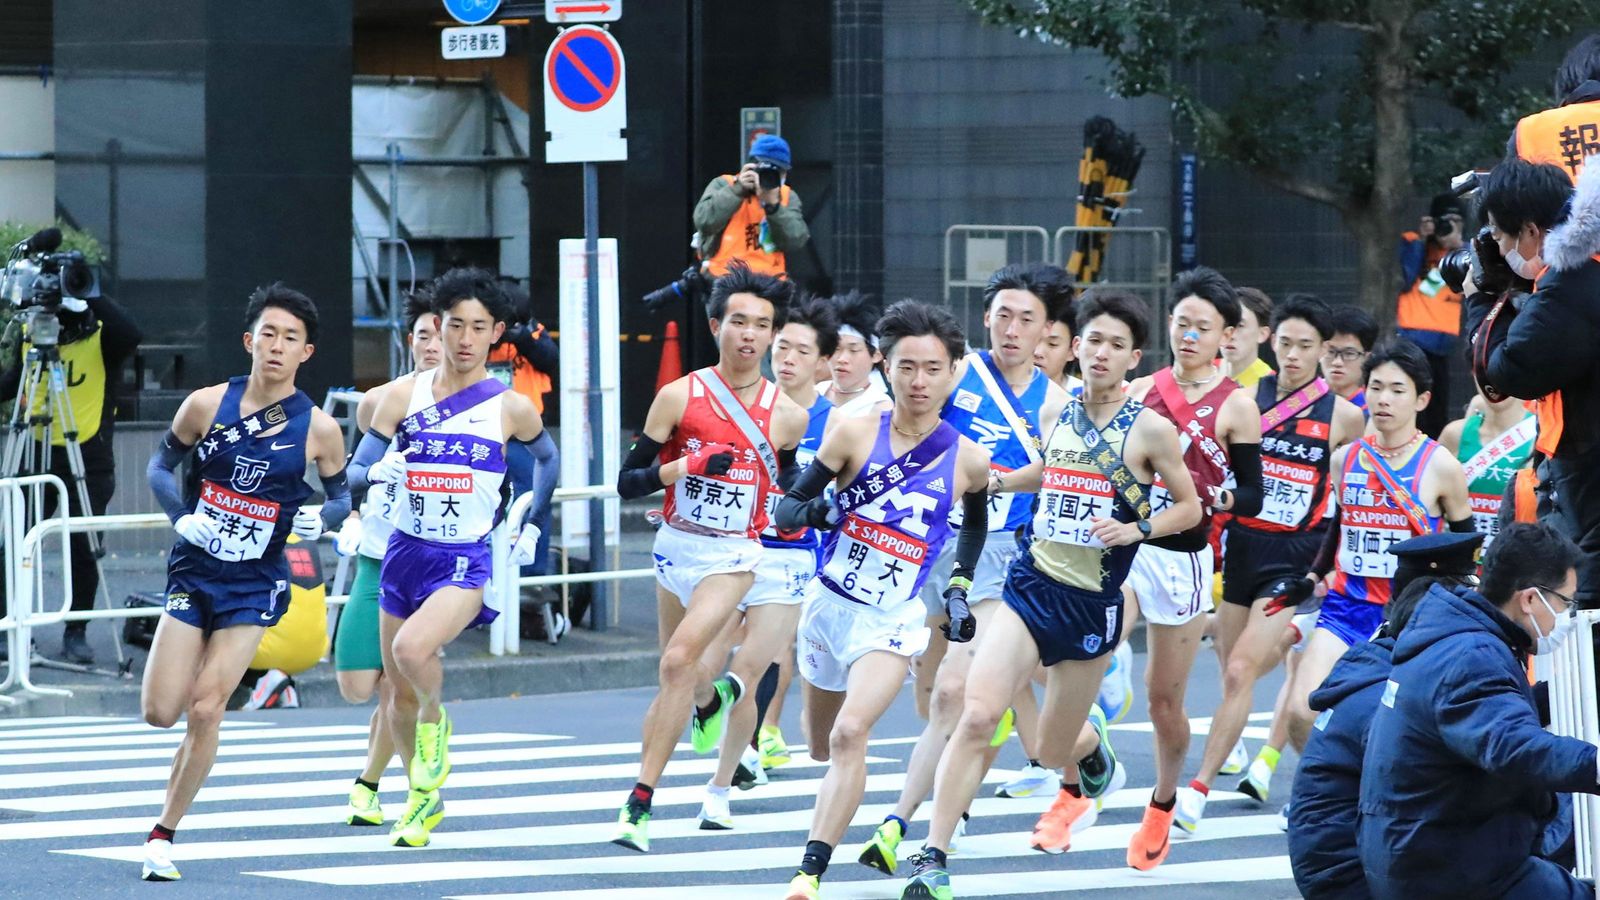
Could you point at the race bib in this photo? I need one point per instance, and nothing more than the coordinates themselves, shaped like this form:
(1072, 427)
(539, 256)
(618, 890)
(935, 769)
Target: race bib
(999, 506)
(1368, 535)
(719, 502)
(1288, 489)
(1069, 501)
(1486, 516)
(876, 564)
(244, 523)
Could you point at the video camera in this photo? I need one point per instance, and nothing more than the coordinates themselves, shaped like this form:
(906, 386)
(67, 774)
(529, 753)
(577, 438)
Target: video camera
(38, 279)
(692, 285)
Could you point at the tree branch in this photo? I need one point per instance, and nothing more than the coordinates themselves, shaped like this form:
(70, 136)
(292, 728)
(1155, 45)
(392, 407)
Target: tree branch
(1212, 124)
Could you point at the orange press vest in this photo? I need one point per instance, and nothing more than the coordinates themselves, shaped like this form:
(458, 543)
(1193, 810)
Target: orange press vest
(1562, 136)
(741, 239)
(525, 379)
(1429, 304)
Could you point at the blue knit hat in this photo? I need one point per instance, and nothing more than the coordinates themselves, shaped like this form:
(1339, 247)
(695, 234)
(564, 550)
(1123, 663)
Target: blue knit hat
(771, 148)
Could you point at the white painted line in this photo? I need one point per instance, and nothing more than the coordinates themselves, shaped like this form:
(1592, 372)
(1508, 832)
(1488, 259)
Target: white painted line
(237, 732)
(9, 740)
(32, 721)
(273, 748)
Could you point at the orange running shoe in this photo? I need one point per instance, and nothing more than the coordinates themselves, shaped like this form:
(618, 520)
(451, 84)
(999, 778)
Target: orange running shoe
(1053, 833)
(1151, 842)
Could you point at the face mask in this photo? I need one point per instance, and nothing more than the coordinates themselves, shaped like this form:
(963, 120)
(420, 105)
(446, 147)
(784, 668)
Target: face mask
(1548, 643)
(1527, 268)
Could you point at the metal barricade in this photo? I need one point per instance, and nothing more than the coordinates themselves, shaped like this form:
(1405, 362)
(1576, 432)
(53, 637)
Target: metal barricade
(1139, 260)
(23, 584)
(973, 252)
(1574, 713)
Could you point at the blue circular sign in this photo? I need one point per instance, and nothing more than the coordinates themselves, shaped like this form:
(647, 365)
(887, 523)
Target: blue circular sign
(585, 68)
(471, 12)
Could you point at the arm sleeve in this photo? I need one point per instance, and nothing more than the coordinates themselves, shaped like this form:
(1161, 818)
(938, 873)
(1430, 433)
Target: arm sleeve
(1323, 563)
(1246, 462)
(974, 532)
(789, 229)
(162, 472)
(336, 502)
(1484, 718)
(641, 471)
(371, 449)
(788, 469)
(1412, 255)
(1463, 526)
(794, 509)
(539, 468)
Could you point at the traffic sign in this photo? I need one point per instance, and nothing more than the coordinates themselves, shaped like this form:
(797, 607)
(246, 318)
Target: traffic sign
(585, 97)
(754, 121)
(573, 12)
(473, 42)
(471, 12)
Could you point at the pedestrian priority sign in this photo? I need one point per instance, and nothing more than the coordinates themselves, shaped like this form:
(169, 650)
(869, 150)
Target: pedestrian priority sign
(474, 42)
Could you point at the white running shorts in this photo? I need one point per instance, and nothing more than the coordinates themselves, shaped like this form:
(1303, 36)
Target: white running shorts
(781, 576)
(683, 560)
(835, 632)
(1172, 587)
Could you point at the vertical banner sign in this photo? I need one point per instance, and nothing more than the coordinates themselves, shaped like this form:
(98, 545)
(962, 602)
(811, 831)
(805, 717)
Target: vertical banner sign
(754, 121)
(576, 440)
(1188, 241)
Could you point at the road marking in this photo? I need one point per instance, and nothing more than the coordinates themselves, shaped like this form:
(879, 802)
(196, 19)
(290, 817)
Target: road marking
(276, 748)
(10, 740)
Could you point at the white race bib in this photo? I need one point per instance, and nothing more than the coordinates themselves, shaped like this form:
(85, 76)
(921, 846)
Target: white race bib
(1287, 491)
(244, 523)
(874, 563)
(718, 502)
(1069, 501)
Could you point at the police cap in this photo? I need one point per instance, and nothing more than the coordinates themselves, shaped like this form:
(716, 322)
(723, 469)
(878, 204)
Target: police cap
(1450, 554)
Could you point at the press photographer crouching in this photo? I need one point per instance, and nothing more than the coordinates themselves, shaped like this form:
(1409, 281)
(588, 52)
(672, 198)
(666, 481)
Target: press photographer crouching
(1533, 311)
(59, 314)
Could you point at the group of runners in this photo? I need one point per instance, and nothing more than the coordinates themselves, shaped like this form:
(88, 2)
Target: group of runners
(891, 502)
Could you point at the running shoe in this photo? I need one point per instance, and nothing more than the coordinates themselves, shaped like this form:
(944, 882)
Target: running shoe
(1257, 781)
(774, 752)
(1096, 777)
(430, 764)
(929, 880)
(749, 774)
(1238, 759)
(1006, 725)
(959, 833)
(1283, 818)
(633, 829)
(714, 814)
(803, 887)
(1151, 842)
(1068, 814)
(1031, 780)
(879, 853)
(706, 733)
(1116, 688)
(158, 862)
(1190, 810)
(424, 809)
(364, 806)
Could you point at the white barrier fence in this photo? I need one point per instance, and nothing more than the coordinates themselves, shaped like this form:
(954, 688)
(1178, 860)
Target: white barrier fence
(1574, 713)
(29, 608)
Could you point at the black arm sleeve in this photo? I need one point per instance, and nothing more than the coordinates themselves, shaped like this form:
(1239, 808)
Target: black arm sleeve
(794, 510)
(1246, 462)
(974, 532)
(1463, 526)
(788, 468)
(1323, 564)
(641, 471)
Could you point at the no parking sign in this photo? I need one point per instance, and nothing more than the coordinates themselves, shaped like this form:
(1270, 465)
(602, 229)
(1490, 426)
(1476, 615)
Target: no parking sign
(585, 97)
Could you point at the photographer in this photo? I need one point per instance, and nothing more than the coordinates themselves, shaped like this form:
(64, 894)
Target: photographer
(1565, 135)
(753, 216)
(1429, 312)
(1540, 345)
(527, 361)
(97, 337)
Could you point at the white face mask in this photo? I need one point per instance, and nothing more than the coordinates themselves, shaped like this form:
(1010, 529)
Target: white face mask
(1548, 643)
(1528, 268)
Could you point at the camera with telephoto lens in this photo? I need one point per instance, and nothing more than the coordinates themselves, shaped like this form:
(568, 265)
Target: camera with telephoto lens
(769, 175)
(39, 280)
(1455, 266)
(692, 285)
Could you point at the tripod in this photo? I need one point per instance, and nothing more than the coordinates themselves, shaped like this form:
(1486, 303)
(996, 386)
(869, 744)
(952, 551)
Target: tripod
(42, 401)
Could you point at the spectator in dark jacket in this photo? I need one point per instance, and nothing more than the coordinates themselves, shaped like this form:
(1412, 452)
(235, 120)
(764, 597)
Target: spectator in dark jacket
(1458, 777)
(1541, 346)
(1322, 808)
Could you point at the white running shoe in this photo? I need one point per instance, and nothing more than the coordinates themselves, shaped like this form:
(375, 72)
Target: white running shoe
(1238, 759)
(750, 772)
(1283, 818)
(1191, 809)
(1031, 780)
(1119, 780)
(1116, 688)
(158, 862)
(1301, 627)
(1256, 781)
(714, 813)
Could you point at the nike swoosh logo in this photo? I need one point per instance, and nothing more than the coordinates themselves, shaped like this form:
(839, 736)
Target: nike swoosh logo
(478, 421)
(1153, 854)
(284, 447)
(265, 616)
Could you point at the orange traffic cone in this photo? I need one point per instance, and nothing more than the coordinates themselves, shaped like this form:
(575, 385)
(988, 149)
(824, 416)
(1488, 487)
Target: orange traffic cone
(671, 358)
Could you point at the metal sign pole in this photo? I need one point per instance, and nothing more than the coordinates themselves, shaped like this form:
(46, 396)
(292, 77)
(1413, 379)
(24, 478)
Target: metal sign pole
(600, 608)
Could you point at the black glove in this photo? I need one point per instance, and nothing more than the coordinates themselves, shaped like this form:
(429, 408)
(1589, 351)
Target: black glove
(1492, 275)
(821, 513)
(1291, 593)
(961, 626)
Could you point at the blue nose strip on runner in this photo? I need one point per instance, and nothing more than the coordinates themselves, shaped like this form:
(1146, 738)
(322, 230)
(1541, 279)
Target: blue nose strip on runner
(1191, 335)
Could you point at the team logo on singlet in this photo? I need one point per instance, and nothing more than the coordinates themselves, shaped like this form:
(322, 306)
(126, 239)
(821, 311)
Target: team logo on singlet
(247, 473)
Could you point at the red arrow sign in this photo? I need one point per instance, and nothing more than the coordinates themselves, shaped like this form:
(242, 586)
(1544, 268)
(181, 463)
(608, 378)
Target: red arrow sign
(600, 8)
(572, 12)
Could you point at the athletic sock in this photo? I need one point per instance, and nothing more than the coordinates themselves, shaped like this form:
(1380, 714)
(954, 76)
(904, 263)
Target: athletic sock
(162, 833)
(1072, 790)
(718, 790)
(738, 685)
(1269, 755)
(639, 799)
(1201, 786)
(904, 828)
(369, 785)
(1164, 805)
(815, 861)
(1094, 765)
(1034, 763)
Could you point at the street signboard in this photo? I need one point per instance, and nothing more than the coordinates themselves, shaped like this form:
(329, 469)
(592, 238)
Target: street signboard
(574, 12)
(754, 121)
(471, 12)
(585, 97)
(578, 372)
(473, 42)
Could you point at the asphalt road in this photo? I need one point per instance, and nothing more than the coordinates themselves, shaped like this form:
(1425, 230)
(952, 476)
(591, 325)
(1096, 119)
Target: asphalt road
(530, 806)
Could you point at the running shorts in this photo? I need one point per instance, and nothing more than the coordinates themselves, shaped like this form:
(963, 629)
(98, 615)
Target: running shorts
(1066, 622)
(1172, 586)
(683, 560)
(1351, 621)
(355, 643)
(211, 594)
(781, 576)
(988, 576)
(835, 632)
(1258, 562)
(415, 569)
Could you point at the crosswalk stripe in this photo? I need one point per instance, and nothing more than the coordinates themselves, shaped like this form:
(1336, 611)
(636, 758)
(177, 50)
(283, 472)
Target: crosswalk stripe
(175, 734)
(51, 721)
(273, 748)
(122, 726)
(988, 884)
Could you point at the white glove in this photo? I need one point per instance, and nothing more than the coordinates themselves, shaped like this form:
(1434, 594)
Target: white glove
(526, 546)
(349, 539)
(391, 469)
(307, 525)
(198, 529)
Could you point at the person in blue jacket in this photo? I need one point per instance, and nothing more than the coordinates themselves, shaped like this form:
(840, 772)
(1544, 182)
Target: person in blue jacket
(1322, 807)
(1458, 778)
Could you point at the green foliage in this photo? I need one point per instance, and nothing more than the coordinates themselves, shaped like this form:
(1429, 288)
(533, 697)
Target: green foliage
(71, 238)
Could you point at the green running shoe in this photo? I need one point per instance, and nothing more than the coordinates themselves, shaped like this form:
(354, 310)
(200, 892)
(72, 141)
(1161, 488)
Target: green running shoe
(633, 829)
(364, 806)
(1002, 731)
(803, 887)
(774, 752)
(879, 853)
(705, 734)
(424, 809)
(430, 764)
(928, 881)
(1096, 782)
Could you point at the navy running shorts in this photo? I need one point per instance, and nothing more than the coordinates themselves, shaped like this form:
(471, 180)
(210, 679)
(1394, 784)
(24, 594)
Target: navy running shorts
(212, 595)
(1066, 623)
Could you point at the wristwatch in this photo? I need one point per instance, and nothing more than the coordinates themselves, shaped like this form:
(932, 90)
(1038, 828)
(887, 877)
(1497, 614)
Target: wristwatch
(1144, 529)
